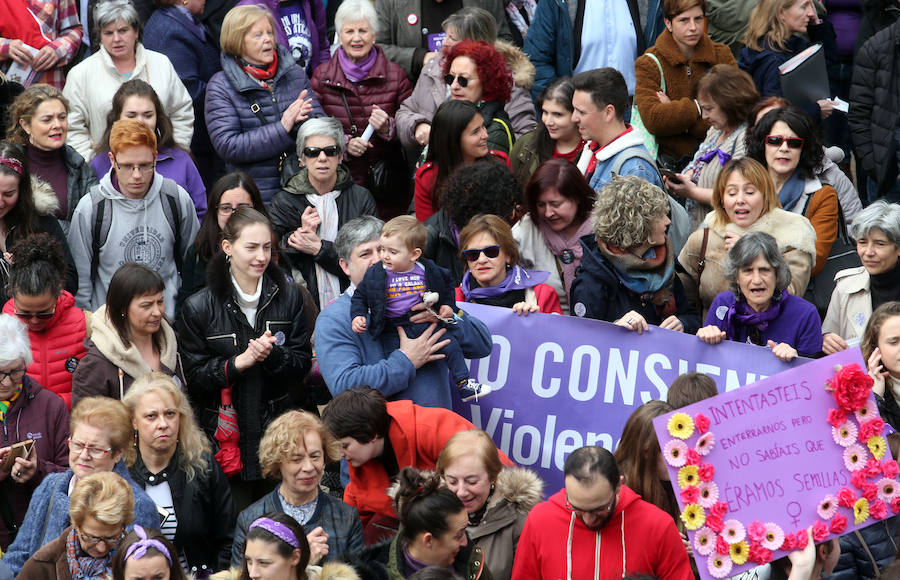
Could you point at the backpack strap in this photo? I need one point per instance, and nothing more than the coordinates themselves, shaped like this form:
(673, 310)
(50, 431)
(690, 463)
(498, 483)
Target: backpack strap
(509, 134)
(630, 153)
(173, 215)
(102, 222)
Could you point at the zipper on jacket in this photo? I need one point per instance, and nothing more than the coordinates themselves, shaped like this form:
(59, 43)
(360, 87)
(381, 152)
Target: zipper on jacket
(687, 68)
(232, 336)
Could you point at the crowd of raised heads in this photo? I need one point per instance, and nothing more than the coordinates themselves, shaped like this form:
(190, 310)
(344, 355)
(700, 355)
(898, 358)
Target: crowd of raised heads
(238, 239)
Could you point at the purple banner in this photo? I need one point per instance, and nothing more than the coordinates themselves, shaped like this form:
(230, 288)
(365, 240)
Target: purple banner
(564, 382)
(754, 468)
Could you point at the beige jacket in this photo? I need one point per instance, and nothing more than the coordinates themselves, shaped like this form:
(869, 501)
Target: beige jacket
(535, 254)
(851, 304)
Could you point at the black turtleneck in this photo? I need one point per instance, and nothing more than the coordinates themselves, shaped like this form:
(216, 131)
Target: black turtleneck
(885, 287)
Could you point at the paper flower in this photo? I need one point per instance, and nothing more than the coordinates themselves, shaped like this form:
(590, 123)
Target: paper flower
(759, 554)
(870, 492)
(889, 468)
(719, 566)
(861, 510)
(681, 425)
(859, 478)
(855, 457)
(870, 428)
(846, 497)
(877, 446)
(709, 493)
(895, 505)
(734, 531)
(836, 417)
(702, 423)
(674, 452)
(687, 475)
(690, 494)
(844, 434)
(873, 467)
(866, 412)
(790, 543)
(714, 522)
(878, 509)
(704, 541)
(774, 536)
(722, 547)
(850, 387)
(692, 457)
(706, 471)
(739, 553)
(756, 531)
(802, 539)
(838, 524)
(693, 516)
(705, 444)
(720, 508)
(819, 531)
(827, 507)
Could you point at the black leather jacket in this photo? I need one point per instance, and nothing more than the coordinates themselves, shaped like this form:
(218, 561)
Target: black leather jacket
(212, 331)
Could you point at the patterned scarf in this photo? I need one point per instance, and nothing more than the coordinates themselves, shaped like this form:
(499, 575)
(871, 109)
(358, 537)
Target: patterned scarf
(262, 74)
(83, 566)
(5, 406)
(567, 251)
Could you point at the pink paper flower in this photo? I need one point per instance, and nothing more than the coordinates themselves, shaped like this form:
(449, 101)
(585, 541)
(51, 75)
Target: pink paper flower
(693, 457)
(870, 491)
(722, 546)
(709, 493)
(706, 471)
(704, 541)
(720, 508)
(836, 417)
(690, 494)
(790, 543)
(802, 539)
(819, 531)
(675, 452)
(734, 532)
(844, 434)
(838, 524)
(873, 467)
(887, 489)
(759, 554)
(855, 457)
(701, 421)
(827, 507)
(705, 444)
(719, 565)
(846, 497)
(889, 468)
(866, 412)
(870, 428)
(895, 505)
(850, 387)
(878, 509)
(774, 536)
(756, 531)
(858, 479)
(715, 523)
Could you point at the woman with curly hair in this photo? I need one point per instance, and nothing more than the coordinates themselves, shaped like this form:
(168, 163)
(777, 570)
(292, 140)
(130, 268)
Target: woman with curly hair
(628, 268)
(171, 460)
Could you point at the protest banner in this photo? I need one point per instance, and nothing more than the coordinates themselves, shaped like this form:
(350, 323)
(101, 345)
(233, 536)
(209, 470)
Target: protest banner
(562, 382)
(752, 469)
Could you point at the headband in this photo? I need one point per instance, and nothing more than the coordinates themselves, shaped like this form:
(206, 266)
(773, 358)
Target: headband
(139, 548)
(13, 164)
(278, 529)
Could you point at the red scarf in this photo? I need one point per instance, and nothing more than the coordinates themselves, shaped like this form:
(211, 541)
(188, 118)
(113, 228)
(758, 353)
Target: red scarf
(259, 73)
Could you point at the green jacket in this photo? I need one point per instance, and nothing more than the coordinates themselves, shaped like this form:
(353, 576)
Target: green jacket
(469, 562)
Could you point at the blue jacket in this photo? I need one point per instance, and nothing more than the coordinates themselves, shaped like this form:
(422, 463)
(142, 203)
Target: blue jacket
(340, 521)
(237, 134)
(348, 360)
(195, 57)
(48, 515)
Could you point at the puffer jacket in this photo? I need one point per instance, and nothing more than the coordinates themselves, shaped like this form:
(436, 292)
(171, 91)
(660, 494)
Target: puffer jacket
(57, 349)
(339, 520)
(386, 86)
(212, 331)
(875, 104)
(237, 134)
(288, 205)
(203, 507)
(854, 563)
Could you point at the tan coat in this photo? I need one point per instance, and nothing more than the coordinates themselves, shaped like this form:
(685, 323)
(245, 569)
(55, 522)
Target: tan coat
(795, 236)
(851, 304)
(48, 563)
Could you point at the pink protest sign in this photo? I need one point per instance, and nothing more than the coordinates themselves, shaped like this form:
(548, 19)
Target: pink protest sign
(755, 467)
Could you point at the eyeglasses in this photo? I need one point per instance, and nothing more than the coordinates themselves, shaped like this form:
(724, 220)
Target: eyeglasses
(38, 315)
(597, 511)
(89, 540)
(777, 140)
(142, 169)
(15, 374)
(95, 452)
(490, 251)
(313, 152)
(460, 80)
(228, 209)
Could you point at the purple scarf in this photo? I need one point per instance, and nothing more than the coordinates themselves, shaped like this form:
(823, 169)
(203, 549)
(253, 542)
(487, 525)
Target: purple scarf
(517, 278)
(356, 71)
(741, 318)
(558, 243)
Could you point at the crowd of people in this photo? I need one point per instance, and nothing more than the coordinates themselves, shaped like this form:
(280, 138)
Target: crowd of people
(238, 239)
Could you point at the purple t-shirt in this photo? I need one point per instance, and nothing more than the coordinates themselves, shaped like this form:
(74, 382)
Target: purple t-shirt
(404, 290)
(293, 20)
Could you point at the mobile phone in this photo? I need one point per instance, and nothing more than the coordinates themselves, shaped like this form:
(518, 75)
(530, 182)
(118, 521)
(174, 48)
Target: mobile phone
(670, 175)
(20, 449)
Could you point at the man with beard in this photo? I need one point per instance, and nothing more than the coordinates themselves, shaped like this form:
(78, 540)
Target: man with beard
(581, 531)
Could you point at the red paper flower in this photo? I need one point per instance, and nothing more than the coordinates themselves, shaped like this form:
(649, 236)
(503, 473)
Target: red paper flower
(890, 469)
(690, 494)
(895, 505)
(870, 492)
(878, 509)
(870, 428)
(859, 478)
(872, 468)
(722, 546)
(790, 543)
(850, 387)
(720, 508)
(819, 531)
(838, 524)
(714, 522)
(701, 422)
(693, 458)
(756, 531)
(846, 497)
(706, 471)
(759, 555)
(836, 417)
(802, 539)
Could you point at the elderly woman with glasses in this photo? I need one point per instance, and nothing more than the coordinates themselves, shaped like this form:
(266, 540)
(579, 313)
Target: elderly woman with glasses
(100, 432)
(100, 507)
(313, 206)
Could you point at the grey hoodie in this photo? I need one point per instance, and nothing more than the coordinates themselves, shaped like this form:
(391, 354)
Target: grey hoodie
(139, 232)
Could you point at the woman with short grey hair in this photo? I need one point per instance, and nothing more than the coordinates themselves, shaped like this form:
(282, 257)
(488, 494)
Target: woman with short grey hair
(313, 206)
(758, 309)
(859, 291)
(90, 86)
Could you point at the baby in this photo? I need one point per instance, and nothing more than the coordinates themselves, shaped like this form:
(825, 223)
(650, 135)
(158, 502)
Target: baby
(390, 289)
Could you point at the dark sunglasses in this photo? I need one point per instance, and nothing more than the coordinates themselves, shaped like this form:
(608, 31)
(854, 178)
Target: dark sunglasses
(38, 315)
(490, 251)
(449, 78)
(313, 152)
(777, 140)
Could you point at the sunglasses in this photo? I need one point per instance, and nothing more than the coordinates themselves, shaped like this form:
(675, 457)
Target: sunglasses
(313, 152)
(461, 80)
(490, 251)
(777, 140)
(38, 315)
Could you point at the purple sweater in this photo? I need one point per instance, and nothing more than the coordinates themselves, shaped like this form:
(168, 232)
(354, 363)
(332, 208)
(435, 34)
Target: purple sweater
(314, 11)
(798, 325)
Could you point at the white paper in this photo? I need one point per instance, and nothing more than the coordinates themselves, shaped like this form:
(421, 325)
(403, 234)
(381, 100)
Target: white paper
(841, 105)
(367, 134)
(22, 73)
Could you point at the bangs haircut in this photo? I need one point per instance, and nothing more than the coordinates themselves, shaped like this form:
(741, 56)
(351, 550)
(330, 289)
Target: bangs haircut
(408, 230)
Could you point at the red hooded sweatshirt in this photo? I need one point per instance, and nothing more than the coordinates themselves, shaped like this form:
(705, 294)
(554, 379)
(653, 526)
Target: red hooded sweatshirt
(639, 539)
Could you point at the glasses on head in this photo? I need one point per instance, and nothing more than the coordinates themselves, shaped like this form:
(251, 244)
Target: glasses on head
(38, 315)
(89, 540)
(15, 374)
(596, 512)
(313, 152)
(77, 447)
(143, 169)
(490, 251)
(228, 209)
(777, 140)
(460, 80)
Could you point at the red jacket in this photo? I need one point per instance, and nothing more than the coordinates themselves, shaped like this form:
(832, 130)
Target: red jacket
(426, 176)
(63, 339)
(546, 296)
(417, 435)
(647, 534)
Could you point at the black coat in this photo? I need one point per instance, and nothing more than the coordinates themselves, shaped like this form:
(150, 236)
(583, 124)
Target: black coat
(854, 563)
(212, 331)
(203, 507)
(80, 178)
(441, 247)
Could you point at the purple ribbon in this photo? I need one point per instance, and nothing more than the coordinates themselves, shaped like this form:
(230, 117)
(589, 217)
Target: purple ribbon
(277, 529)
(139, 548)
(723, 157)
